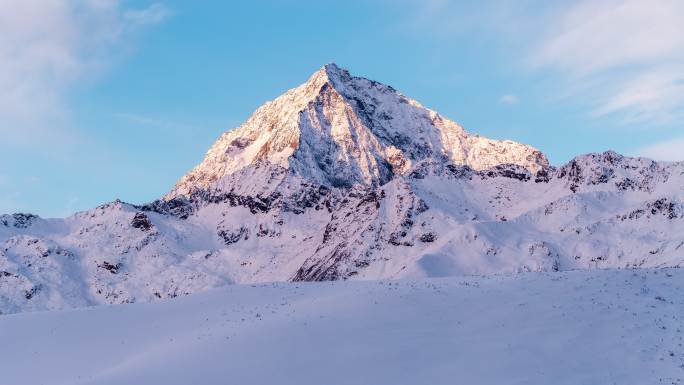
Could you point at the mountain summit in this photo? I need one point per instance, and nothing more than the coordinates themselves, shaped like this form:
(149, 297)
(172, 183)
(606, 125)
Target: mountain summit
(341, 130)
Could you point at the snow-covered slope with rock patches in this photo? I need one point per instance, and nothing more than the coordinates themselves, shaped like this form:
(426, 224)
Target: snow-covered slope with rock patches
(345, 178)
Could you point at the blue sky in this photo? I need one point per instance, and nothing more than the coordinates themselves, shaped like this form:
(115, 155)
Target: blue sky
(117, 99)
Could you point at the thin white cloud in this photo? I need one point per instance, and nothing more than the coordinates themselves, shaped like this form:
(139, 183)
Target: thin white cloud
(657, 95)
(670, 150)
(620, 58)
(153, 14)
(626, 57)
(591, 36)
(10, 202)
(509, 99)
(153, 121)
(32, 179)
(70, 208)
(47, 46)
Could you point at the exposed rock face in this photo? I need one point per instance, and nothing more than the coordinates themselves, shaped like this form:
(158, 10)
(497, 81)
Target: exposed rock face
(345, 178)
(141, 221)
(17, 220)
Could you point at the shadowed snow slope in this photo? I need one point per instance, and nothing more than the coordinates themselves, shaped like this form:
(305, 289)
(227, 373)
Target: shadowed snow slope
(345, 178)
(580, 327)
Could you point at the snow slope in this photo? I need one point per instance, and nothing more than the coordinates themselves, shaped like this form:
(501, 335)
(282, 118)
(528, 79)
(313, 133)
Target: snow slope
(579, 327)
(345, 178)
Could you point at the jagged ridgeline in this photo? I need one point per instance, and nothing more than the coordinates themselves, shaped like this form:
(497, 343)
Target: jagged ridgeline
(346, 178)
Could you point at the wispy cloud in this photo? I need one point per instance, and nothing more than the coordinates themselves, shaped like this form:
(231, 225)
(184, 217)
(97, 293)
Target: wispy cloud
(509, 99)
(31, 179)
(621, 58)
(590, 36)
(48, 46)
(670, 150)
(153, 14)
(656, 95)
(70, 208)
(627, 56)
(10, 202)
(153, 121)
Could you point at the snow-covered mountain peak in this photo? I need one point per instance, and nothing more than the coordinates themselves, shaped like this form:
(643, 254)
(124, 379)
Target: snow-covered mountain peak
(341, 130)
(343, 177)
(331, 72)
